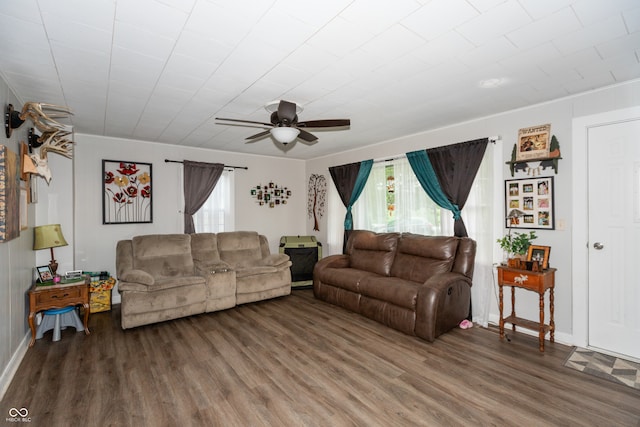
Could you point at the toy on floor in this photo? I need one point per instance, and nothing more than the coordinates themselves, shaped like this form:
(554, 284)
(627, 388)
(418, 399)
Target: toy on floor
(466, 324)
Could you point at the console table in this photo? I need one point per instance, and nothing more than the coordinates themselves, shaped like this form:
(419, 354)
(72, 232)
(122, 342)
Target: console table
(533, 281)
(44, 297)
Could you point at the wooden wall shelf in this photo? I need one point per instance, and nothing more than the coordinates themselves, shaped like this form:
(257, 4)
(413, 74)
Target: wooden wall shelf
(523, 165)
(545, 162)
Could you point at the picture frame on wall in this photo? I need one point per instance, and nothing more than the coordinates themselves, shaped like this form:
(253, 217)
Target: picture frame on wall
(533, 143)
(127, 192)
(533, 199)
(9, 194)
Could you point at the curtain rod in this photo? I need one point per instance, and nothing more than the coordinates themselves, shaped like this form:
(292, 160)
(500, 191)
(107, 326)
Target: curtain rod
(226, 166)
(492, 140)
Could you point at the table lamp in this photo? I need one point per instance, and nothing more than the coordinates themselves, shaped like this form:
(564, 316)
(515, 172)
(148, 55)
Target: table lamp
(49, 237)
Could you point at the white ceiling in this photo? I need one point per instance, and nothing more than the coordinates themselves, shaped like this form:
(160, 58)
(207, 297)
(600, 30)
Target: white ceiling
(161, 70)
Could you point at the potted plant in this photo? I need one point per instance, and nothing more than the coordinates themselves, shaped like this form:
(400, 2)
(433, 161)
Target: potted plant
(516, 246)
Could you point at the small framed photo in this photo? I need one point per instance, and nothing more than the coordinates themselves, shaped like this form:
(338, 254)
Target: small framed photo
(540, 254)
(533, 143)
(44, 273)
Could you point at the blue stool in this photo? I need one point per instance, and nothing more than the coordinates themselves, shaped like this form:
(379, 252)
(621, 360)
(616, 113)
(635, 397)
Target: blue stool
(58, 319)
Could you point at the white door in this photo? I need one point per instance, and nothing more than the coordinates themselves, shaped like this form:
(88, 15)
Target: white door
(614, 237)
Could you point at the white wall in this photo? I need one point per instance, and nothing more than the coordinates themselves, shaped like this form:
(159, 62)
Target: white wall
(560, 114)
(17, 260)
(95, 243)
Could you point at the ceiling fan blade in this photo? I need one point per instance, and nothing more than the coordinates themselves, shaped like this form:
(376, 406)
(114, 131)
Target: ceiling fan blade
(324, 123)
(308, 143)
(287, 112)
(307, 137)
(253, 138)
(244, 121)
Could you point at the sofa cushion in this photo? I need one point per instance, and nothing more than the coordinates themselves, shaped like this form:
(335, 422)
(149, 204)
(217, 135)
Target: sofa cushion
(163, 255)
(204, 250)
(255, 270)
(239, 248)
(400, 292)
(345, 278)
(420, 257)
(165, 297)
(371, 251)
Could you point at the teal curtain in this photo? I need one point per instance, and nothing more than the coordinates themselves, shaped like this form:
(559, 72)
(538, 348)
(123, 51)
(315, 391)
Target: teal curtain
(421, 165)
(361, 180)
(350, 180)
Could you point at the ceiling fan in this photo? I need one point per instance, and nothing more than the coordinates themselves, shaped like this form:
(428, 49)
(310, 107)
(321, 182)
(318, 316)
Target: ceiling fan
(285, 127)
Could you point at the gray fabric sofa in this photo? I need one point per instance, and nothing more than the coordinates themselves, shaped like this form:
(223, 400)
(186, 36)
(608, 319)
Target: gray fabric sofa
(168, 276)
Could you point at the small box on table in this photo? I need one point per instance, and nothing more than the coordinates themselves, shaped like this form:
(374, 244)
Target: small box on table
(100, 290)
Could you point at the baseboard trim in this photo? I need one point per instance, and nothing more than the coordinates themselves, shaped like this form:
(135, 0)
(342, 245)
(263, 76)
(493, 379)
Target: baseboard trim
(14, 364)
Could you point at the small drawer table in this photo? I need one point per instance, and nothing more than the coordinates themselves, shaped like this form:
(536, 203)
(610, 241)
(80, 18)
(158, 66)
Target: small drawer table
(536, 281)
(60, 295)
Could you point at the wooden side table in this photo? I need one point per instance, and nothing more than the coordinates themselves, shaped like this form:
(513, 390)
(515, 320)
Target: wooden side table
(533, 281)
(45, 297)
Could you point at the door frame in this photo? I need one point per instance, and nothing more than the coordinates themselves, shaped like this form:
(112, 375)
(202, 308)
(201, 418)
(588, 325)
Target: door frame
(580, 215)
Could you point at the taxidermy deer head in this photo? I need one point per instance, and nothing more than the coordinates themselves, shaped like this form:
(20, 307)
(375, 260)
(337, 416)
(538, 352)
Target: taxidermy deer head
(51, 142)
(55, 135)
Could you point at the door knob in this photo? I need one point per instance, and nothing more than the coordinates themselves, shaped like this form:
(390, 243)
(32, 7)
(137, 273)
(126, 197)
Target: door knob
(598, 245)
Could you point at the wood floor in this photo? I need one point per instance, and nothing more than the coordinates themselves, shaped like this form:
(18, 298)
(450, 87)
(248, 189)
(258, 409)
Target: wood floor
(296, 361)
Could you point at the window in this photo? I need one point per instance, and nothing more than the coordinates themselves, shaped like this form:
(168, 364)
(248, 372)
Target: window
(393, 200)
(216, 215)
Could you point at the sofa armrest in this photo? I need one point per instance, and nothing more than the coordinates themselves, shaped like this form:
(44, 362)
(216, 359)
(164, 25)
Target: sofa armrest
(442, 303)
(334, 261)
(441, 281)
(276, 260)
(132, 287)
(137, 276)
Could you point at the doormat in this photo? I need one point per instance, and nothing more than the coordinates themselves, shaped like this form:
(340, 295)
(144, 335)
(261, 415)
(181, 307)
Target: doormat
(608, 367)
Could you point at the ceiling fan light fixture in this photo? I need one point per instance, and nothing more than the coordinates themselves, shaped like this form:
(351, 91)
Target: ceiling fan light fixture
(285, 135)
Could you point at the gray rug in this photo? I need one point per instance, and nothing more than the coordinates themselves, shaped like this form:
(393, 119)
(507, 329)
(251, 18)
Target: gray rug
(608, 367)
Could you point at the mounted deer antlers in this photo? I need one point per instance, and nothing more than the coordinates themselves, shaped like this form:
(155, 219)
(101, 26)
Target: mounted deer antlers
(54, 137)
(42, 115)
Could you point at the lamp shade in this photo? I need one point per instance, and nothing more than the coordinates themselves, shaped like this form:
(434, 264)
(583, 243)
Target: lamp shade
(48, 236)
(285, 134)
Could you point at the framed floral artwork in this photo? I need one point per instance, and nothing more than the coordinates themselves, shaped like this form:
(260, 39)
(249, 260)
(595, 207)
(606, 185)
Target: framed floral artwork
(127, 195)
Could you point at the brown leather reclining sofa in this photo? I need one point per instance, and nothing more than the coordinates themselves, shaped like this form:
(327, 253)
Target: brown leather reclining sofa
(420, 285)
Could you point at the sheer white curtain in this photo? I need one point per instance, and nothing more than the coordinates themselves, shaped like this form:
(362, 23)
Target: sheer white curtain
(478, 215)
(335, 222)
(370, 210)
(216, 215)
(413, 211)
